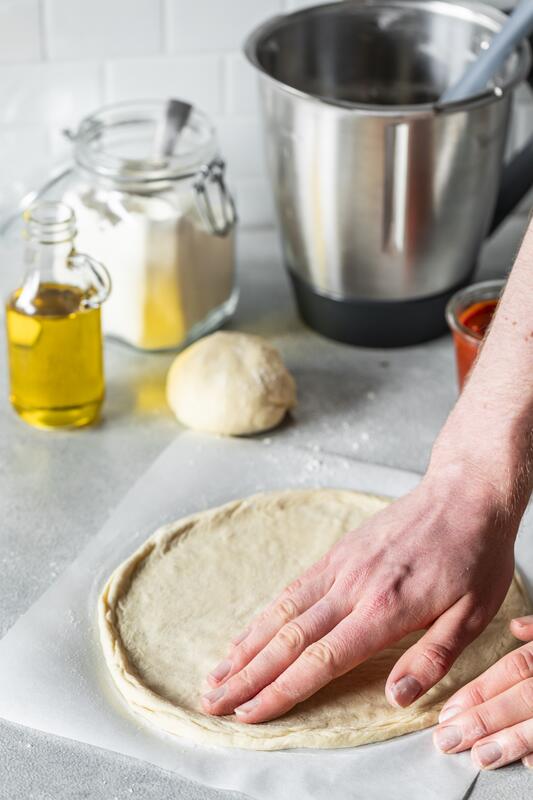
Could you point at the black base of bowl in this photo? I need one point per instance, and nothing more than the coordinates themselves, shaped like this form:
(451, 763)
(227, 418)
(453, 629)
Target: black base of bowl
(373, 323)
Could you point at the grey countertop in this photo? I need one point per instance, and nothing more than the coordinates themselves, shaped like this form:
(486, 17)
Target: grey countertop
(58, 488)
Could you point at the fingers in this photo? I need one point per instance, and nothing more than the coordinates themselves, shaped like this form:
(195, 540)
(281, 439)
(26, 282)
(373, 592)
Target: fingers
(348, 644)
(284, 648)
(428, 661)
(292, 602)
(508, 671)
(522, 628)
(507, 746)
(470, 728)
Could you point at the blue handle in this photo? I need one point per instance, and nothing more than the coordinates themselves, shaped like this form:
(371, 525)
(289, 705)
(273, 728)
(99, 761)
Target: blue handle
(478, 75)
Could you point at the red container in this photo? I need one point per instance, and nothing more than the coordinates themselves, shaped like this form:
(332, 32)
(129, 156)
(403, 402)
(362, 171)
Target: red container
(469, 314)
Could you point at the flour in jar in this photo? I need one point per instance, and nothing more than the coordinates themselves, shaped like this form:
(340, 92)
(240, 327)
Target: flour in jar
(169, 273)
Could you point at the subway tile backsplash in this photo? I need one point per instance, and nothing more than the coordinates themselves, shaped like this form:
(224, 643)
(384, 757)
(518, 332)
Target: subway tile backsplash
(61, 59)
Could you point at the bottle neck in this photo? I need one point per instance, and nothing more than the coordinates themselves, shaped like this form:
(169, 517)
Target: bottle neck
(49, 230)
(50, 224)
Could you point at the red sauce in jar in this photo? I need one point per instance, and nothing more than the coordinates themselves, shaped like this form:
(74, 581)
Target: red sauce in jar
(477, 319)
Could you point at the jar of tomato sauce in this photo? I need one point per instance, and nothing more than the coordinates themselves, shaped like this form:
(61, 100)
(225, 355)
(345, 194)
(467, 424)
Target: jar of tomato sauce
(469, 314)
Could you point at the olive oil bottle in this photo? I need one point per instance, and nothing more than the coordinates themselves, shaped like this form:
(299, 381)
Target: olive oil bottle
(53, 325)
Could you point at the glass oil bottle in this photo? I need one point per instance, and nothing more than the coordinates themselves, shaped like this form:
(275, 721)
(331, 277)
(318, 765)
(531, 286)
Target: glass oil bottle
(53, 325)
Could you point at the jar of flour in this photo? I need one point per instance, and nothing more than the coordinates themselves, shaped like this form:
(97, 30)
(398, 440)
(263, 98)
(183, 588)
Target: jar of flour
(162, 223)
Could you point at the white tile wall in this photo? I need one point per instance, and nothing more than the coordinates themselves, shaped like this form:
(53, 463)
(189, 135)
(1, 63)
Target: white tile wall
(242, 95)
(51, 93)
(101, 28)
(198, 79)
(61, 59)
(19, 30)
(203, 25)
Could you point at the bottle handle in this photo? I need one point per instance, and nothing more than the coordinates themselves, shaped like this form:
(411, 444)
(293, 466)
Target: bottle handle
(100, 278)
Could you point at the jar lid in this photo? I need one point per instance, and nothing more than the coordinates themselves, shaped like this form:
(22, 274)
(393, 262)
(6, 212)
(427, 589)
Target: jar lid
(120, 142)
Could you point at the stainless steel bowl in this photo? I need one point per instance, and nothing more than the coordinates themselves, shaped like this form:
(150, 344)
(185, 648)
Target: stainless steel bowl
(384, 197)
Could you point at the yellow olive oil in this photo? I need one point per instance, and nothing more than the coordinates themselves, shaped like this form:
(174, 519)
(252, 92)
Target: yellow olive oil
(55, 357)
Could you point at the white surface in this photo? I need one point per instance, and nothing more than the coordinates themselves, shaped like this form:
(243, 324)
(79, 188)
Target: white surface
(57, 94)
(241, 140)
(241, 83)
(99, 28)
(198, 79)
(52, 675)
(19, 30)
(214, 25)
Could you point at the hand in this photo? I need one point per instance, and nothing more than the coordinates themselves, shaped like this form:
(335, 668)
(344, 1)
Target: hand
(439, 559)
(493, 714)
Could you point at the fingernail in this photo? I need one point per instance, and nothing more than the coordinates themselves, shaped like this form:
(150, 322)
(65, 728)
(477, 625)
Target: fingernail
(215, 695)
(247, 707)
(241, 638)
(447, 738)
(523, 622)
(406, 690)
(221, 670)
(448, 712)
(527, 761)
(486, 754)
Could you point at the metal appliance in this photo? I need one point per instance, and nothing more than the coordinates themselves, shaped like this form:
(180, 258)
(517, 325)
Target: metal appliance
(384, 196)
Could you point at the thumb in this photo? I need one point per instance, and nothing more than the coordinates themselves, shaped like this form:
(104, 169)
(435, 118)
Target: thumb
(522, 628)
(431, 658)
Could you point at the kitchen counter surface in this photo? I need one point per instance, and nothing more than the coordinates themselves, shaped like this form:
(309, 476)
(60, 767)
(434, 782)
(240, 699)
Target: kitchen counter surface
(57, 489)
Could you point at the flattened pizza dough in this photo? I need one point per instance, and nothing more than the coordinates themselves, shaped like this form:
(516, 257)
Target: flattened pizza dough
(167, 615)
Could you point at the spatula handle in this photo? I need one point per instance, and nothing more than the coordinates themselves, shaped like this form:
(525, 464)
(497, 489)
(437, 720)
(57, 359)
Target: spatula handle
(478, 74)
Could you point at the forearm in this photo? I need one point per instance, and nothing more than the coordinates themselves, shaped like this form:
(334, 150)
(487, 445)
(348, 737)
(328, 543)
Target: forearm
(491, 426)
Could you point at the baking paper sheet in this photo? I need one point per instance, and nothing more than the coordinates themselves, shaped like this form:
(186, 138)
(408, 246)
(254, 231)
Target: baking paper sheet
(52, 675)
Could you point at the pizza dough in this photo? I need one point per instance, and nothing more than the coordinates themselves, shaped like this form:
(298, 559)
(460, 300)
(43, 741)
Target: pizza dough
(167, 614)
(231, 384)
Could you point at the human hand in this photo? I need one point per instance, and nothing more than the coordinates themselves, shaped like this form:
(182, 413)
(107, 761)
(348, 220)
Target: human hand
(439, 559)
(493, 714)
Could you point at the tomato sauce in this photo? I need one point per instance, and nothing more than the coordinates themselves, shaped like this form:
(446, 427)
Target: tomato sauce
(476, 318)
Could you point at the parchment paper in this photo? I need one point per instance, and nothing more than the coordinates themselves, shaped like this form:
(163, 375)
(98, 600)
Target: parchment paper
(52, 675)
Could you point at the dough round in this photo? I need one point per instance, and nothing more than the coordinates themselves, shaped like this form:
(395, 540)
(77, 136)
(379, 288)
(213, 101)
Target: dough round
(230, 383)
(167, 615)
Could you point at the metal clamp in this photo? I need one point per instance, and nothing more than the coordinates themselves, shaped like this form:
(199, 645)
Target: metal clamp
(221, 221)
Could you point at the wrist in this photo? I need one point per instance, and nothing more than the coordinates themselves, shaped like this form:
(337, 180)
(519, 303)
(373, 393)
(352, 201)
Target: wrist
(493, 470)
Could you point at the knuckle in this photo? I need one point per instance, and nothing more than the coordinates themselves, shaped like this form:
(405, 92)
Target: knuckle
(520, 743)
(526, 694)
(242, 653)
(478, 725)
(321, 653)
(242, 681)
(383, 600)
(438, 657)
(279, 689)
(476, 694)
(293, 587)
(286, 609)
(476, 621)
(520, 664)
(322, 612)
(291, 636)
(352, 578)
(390, 590)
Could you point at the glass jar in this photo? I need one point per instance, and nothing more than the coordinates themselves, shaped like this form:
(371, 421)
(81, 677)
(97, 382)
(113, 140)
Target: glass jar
(53, 327)
(162, 224)
(469, 313)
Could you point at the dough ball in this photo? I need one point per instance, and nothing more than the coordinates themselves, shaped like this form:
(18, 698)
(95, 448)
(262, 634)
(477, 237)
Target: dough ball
(230, 383)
